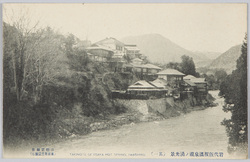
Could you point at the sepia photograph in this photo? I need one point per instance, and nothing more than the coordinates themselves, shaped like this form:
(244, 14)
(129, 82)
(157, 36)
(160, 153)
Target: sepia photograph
(125, 80)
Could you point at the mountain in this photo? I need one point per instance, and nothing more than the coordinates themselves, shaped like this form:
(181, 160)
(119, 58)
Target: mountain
(210, 55)
(162, 50)
(227, 60)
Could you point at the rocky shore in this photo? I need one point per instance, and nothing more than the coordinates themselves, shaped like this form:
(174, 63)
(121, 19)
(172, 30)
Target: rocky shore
(136, 111)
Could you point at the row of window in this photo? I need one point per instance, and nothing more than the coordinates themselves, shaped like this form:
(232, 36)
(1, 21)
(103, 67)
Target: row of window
(132, 52)
(119, 48)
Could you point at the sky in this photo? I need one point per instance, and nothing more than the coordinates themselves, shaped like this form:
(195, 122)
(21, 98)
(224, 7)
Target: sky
(195, 27)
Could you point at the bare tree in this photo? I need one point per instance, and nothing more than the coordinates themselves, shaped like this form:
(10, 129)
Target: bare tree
(34, 56)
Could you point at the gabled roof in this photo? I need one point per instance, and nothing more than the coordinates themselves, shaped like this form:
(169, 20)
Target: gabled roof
(158, 84)
(151, 66)
(190, 83)
(161, 81)
(199, 80)
(146, 66)
(188, 77)
(141, 84)
(170, 72)
(110, 40)
(98, 46)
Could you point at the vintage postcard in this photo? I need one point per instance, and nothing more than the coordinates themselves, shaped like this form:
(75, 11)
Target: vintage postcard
(125, 80)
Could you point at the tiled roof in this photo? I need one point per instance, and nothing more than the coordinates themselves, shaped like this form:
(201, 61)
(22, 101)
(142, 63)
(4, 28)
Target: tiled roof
(146, 66)
(100, 47)
(109, 40)
(170, 72)
(158, 84)
(161, 81)
(151, 66)
(190, 83)
(188, 77)
(141, 84)
(199, 80)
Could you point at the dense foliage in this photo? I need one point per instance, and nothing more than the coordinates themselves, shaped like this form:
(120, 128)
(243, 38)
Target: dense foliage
(234, 89)
(214, 80)
(45, 77)
(186, 66)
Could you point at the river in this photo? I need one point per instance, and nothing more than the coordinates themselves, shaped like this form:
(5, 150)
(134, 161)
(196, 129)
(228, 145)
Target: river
(197, 131)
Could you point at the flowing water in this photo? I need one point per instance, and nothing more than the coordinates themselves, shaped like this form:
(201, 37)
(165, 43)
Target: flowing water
(197, 131)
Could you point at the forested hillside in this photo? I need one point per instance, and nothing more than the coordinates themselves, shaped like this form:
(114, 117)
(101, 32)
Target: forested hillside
(45, 79)
(227, 60)
(234, 90)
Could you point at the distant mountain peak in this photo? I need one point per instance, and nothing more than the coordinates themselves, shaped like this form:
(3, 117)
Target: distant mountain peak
(227, 60)
(161, 49)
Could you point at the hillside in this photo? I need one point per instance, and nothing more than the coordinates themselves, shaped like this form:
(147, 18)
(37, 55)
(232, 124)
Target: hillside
(160, 49)
(227, 60)
(209, 55)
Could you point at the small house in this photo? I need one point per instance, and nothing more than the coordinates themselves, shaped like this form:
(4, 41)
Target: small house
(100, 53)
(132, 51)
(114, 44)
(189, 86)
(201, 85)
(174, 77)
(137, 61)
(142, 69)
(152, 69)
(189, 77)
(147, 88)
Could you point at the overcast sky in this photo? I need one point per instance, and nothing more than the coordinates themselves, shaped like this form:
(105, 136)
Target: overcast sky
(196, 27)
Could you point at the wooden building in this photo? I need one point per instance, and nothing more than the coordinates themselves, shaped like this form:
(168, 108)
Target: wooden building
(113, 44)
(147, 89)
(189, 86)
(141, 70)
(172, 76)
(189, 77)
(132, 51)
(137, 61)
(201, 85)
(99, 53)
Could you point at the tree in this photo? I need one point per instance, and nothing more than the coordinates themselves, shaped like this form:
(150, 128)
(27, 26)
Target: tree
(220, 75)
(235, 93)
(173, 65)
(45, 64)
(22, 29)
(187, 65)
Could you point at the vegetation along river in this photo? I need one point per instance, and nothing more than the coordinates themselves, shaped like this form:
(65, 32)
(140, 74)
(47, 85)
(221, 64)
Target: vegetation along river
(198, 131)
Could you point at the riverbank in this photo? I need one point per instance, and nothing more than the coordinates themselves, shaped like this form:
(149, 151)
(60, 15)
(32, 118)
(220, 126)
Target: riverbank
(136, 111)
(198, 131)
